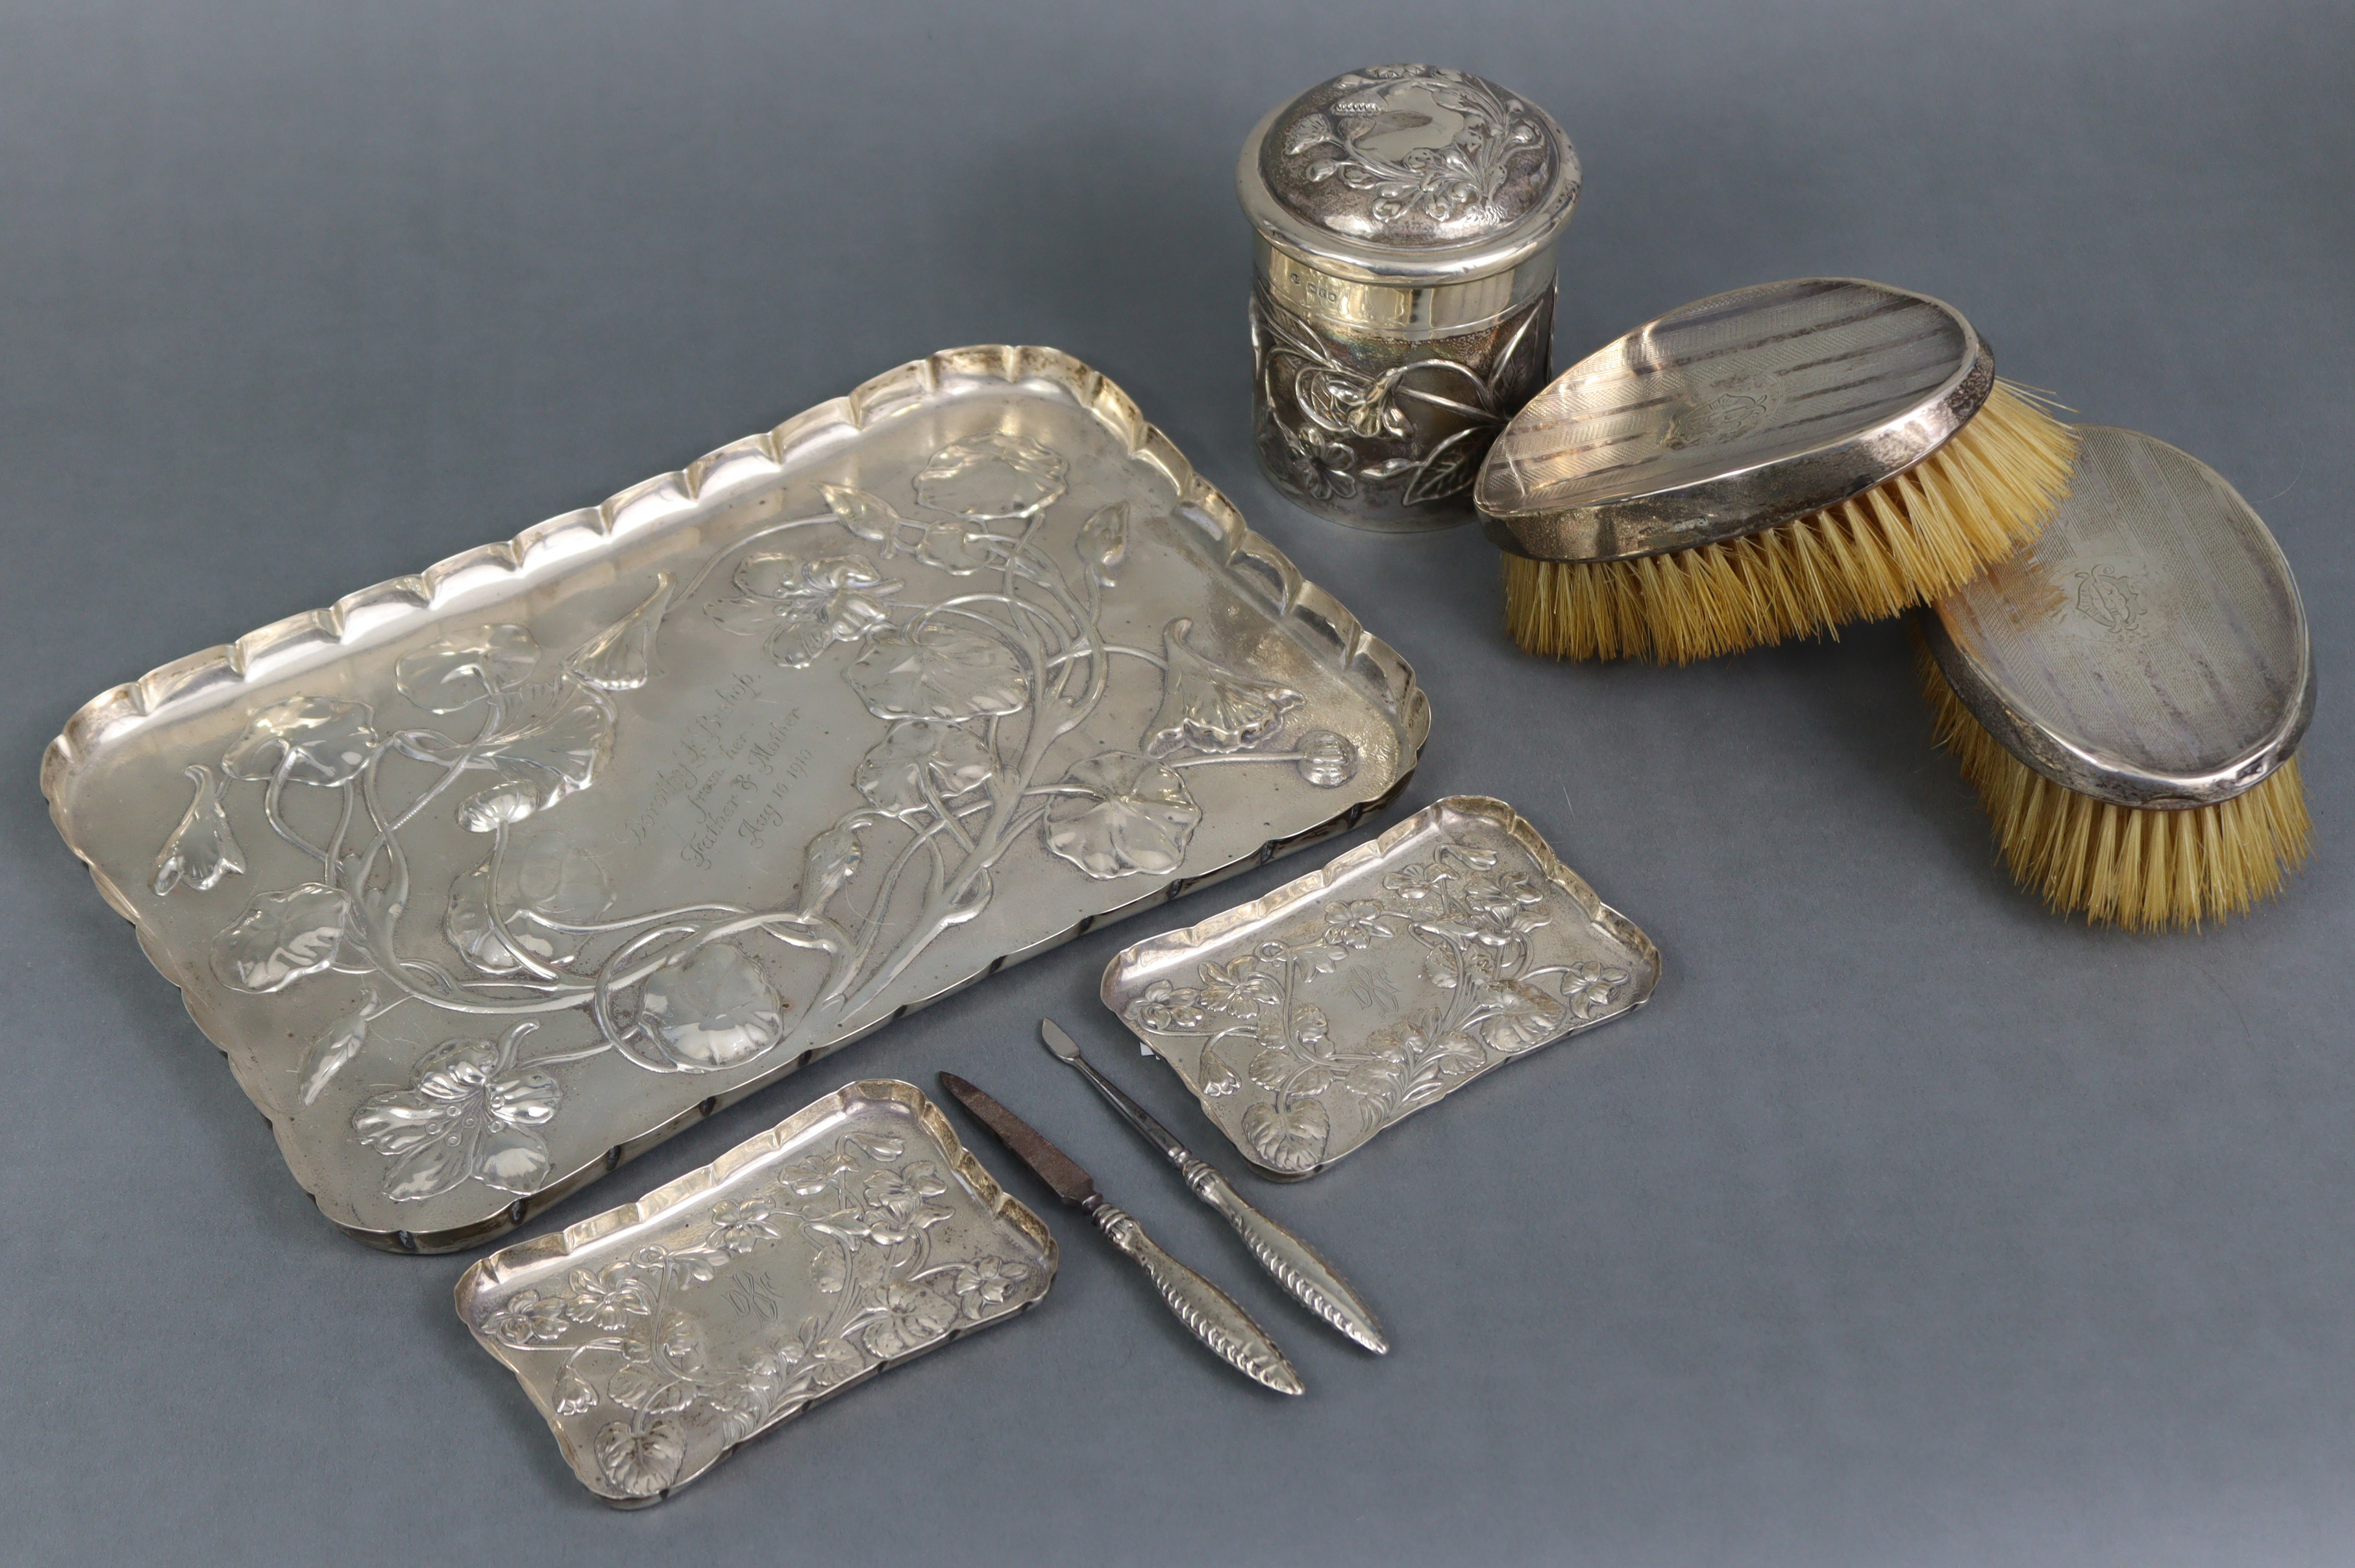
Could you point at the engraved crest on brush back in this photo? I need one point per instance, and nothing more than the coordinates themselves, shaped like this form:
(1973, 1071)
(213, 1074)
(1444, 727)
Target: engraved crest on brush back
(1731, 415)
(2150, 648)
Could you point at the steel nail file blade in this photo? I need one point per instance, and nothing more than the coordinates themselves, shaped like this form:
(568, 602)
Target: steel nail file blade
(1295, 1265)
(1208, 1312)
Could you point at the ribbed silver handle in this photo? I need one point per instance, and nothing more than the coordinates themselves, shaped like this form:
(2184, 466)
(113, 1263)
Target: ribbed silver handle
(1295, 1264)
(1208, 1312)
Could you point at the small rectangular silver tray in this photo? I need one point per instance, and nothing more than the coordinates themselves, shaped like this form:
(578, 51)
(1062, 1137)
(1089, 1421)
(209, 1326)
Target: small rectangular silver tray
(1308, 1021)
(488, 880)
(854, 1235)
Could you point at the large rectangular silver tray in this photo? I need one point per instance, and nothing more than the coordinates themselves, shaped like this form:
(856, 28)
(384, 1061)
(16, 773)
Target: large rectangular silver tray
(854, 1235)
(490, 879)
(1308, 1021)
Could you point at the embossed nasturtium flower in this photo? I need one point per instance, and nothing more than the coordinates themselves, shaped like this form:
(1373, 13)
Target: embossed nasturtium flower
(1118, 813)
(622, 657)
(1502, 895)
(713, 1009)
(608, 1298)
(985, 1282)
(525, 1318)
(202, 849)
(907, 1317)
(1206, 706)
(1520, 1016)
(1238, 988)
(938, 672)
(1355, 923)
(991, 478)
(465, 1114)
(804, 607)
(898, 1203)
(1588, 986)
(1414, 885)
(1165, 1008)
(741, 1227)
(466, 667)
(311, 740)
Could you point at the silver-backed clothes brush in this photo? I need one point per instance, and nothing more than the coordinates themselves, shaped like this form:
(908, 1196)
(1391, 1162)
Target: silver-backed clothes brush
(1295, 1265)
(1208, 1312)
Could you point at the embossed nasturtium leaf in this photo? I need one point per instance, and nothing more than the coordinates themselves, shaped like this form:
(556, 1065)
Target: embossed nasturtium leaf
(950, 757)
(713, 1009)
(1118, 813)
(1287, 1138)
(939, 672)
(642, 1461)
(282, 936)
(465, 668)
(314, 740)
(991, 477)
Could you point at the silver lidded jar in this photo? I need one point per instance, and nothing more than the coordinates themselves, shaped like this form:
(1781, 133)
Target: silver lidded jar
(1402, 308)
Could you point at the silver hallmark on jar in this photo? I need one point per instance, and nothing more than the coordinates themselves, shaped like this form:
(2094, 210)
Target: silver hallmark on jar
(1402, 308)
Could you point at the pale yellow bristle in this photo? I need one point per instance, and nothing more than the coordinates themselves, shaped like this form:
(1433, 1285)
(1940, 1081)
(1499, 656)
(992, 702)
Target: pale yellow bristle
(1920, 535)
(2141, 868)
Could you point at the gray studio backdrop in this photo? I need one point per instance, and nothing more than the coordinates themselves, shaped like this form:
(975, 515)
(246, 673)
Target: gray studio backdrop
(1906, 1225)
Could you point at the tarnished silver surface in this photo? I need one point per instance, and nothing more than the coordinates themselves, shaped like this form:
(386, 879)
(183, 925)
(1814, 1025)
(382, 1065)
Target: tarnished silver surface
(490, 879)
(1209, 1314)
(1308, 1021)
(1291, 1261)
(1409, 175)
(854, 1235)
(1732, 415)
(1403, 304)
(2148, 648)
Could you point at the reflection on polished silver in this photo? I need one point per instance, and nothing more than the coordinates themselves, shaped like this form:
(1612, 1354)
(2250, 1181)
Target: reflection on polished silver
(1209, 1314)
(1730, 416)
(1403, 303)
(1292, 1262)
(1308, 1021)
(853, 1236)
(491, 879)
(2150, 648)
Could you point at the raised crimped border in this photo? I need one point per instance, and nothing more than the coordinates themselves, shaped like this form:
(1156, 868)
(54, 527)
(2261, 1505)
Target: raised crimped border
(486, 1274)
(384, 610)
(1222, 924)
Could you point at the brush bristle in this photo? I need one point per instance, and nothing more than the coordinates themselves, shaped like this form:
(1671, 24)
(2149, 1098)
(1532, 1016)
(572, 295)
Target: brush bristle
(1929, 531)
(2143, 870)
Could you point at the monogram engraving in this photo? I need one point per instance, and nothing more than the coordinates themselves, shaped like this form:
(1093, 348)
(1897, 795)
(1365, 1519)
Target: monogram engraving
(2108, 600)
(1729, 411)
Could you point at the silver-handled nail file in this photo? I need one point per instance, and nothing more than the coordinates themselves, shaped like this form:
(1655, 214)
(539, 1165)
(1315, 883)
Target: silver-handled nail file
(1208, 1312)
(1313, 1283)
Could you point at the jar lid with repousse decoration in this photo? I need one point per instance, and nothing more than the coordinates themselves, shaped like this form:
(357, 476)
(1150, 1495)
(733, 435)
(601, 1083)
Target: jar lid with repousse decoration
(1407, 219)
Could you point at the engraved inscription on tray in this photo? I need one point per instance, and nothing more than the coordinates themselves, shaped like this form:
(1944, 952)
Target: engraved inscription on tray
(470, 909)
(1308, 1022)
(850, 1238)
